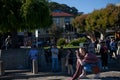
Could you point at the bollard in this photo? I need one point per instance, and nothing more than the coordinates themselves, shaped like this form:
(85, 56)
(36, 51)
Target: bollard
(1, 68)
(35, 66)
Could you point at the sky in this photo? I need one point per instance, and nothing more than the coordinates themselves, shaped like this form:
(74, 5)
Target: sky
(87, 6)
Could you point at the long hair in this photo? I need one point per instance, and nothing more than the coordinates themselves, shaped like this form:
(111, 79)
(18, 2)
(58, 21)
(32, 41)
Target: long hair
(85, 52)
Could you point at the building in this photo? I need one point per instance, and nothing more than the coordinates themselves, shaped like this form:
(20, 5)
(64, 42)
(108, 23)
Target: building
(61, 18)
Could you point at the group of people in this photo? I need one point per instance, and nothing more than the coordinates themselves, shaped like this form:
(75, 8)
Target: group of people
(109, 50)
(85, 61)
(33, 55)
(89, 62)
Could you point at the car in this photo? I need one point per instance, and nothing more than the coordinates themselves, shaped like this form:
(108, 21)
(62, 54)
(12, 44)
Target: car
(110, 37)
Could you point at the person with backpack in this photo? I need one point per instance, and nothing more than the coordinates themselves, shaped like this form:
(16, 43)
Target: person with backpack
(104, 55)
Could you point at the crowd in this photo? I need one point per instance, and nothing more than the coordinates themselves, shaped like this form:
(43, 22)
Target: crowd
(85, 57)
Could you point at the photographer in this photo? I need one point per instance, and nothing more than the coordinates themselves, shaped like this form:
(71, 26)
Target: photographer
(85, 62)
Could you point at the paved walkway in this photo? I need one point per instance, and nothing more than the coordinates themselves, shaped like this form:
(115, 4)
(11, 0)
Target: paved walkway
(112, 74)
(21, 75)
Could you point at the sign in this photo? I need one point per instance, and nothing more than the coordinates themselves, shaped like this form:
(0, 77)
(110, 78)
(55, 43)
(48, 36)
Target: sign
(36, 33)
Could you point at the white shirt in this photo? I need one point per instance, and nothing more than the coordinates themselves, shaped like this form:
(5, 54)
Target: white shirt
(98, 47)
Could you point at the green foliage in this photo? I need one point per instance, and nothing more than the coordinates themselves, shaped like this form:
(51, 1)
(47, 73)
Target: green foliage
(24, 14)
(100, 20)
(61, 42)
(76, 42)
(63, 7)
(79, 22)
(10, 18)
(36, 14)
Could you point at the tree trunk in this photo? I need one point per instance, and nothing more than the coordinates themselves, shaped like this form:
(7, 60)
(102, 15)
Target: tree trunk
(91, 46)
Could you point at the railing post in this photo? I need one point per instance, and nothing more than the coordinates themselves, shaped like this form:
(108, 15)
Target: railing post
(35, 66)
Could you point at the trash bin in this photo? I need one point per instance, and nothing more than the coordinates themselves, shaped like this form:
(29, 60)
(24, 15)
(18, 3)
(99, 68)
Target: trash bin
(1, 68)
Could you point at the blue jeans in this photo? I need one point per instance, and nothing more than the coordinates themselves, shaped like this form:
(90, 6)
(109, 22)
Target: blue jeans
(55, 64)
(88, 66)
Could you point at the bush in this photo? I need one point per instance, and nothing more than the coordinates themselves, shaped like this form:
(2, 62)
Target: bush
(77, 41)
(61, 42)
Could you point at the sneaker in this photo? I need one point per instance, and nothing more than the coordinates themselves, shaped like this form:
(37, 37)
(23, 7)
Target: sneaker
(82, 76)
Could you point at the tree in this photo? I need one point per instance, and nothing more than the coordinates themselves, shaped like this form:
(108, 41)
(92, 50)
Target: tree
(56, 32)
(63, 7)
(36, 14)
(96, 22)
(16, 15)
(100, 20)
(113, 14)
(79, 22)
(10, 19)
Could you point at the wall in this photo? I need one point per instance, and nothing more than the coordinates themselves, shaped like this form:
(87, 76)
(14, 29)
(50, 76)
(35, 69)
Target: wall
(18, 58)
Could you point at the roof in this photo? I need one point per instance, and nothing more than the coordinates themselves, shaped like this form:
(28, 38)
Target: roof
(61, 14)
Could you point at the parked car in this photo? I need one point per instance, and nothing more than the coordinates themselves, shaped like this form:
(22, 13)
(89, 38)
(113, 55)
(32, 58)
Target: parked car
(110, 37)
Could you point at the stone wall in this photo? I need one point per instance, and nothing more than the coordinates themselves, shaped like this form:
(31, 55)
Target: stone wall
(18, 58)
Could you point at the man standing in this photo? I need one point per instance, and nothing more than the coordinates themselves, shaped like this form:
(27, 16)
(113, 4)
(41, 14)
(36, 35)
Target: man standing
(54, 51)
(33, 56)
(113, 48)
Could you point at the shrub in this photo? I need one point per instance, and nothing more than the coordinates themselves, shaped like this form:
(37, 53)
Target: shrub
(77, 41)
(61, 42)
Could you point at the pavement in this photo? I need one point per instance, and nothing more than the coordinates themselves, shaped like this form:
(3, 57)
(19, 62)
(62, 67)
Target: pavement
(25, 75)
(113, 73)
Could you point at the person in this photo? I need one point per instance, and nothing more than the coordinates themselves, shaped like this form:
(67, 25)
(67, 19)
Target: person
(69, 62)
(78, 67)
(91, 47)
(7, 42)
(104, 55)
(60, 56)
(55, 64)
(47, 56)
(118, 50)
(113, 48)
(33, 55)
(108, 43)
(98, 47)
(86, 61)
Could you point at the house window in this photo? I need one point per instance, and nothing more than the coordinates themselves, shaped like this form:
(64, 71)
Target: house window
(57, 20)
(67, 20)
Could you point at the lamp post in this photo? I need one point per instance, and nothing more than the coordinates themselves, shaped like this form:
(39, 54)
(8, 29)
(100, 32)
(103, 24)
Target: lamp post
(36, 36)
(64, 30)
